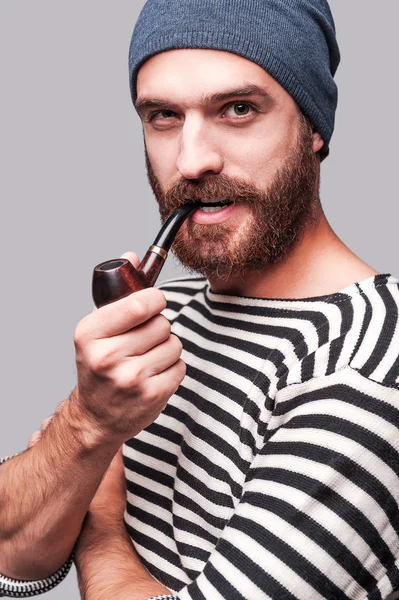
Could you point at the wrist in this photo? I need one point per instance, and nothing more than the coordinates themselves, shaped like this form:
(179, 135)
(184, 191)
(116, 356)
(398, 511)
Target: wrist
(100, 524)
(84, 427)
(99, 532)
(118, 573)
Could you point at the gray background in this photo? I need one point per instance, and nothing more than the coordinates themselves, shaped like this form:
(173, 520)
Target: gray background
(73, 187)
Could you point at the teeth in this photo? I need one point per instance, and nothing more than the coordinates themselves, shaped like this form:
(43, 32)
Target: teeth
(209, 209)
(211, 200)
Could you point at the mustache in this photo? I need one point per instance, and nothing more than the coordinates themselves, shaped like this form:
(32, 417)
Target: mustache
(213, 187)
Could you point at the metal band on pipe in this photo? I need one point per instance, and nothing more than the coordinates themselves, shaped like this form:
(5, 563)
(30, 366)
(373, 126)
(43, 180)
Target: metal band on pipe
(160, 251)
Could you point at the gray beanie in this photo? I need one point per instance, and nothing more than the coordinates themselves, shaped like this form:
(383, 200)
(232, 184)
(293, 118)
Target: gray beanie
(293, 40)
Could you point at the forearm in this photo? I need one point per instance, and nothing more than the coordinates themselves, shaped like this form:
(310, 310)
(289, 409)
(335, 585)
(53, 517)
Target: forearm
(109, 567)
(45, 493)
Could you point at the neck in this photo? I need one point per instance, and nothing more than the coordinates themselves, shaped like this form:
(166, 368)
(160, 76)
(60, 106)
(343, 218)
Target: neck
(318, 265)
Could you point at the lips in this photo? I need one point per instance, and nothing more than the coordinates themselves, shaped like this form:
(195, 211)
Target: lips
(214, 215)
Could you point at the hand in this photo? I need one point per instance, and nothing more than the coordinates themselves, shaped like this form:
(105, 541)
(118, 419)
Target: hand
(128, 363)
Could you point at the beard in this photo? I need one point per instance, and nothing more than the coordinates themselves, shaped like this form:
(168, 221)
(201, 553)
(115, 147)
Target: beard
(275, 220)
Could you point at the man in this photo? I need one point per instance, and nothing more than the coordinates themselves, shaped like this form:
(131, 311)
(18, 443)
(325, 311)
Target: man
(266, 464)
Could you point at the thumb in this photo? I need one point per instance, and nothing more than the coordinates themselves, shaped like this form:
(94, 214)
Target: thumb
(132, 257)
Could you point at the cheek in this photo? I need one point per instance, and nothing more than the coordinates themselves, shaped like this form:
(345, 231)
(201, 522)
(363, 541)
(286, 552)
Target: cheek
(162, 153)
(258, 154)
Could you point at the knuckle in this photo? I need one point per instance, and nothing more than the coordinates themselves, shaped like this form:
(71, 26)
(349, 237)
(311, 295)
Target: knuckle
(160, 298)
(80, 334)
(176, 343)
(138, 307)
(129, 381)
(156, 394)
(181, 369)
(180, 372)
(101, 361)
(145, 303)
(83, 331)
(163, 326)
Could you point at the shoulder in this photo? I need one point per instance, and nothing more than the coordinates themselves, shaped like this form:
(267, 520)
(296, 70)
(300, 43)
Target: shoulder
(356, 328)
(376, 350)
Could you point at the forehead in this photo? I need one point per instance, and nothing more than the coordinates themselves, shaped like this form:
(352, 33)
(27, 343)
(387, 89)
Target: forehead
(189, 74)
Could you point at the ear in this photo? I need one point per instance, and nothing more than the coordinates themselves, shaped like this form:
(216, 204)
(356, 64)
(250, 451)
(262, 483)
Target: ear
(318, 142)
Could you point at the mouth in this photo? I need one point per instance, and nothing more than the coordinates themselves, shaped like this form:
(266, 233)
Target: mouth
(209, 205)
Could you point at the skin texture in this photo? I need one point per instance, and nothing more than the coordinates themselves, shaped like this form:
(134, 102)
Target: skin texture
(104, 528)
(192, 140)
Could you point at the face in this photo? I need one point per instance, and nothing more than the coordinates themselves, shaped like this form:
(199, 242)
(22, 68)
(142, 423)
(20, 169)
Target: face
(218, 128)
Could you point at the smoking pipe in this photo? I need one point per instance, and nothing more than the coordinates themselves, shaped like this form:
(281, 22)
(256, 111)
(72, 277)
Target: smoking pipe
(117, 278)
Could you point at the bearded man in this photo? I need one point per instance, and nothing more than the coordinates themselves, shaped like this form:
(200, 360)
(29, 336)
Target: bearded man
(259, 414)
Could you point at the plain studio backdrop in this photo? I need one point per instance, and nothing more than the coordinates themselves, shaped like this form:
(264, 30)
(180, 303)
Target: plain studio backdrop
(74, 191)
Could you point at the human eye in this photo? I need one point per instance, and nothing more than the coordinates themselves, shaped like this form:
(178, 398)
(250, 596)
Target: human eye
(240, 111)
(162, 118)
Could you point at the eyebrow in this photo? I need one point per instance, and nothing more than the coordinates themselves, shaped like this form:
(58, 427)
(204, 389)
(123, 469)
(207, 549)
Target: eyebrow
(143, 103)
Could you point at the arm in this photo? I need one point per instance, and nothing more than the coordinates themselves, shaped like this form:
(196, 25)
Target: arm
(110, 568)
(45, 493)
(106, 561)
(128, 367)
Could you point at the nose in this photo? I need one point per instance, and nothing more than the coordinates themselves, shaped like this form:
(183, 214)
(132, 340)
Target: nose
(199, 152)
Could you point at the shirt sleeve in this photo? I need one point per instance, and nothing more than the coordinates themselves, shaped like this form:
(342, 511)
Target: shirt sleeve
(164, 597)
(14, 588)
(318, 516)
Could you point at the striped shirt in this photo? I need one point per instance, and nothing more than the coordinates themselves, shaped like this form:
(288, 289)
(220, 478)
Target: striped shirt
(273, 472)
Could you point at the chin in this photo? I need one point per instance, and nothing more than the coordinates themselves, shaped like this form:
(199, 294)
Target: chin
(212, 251)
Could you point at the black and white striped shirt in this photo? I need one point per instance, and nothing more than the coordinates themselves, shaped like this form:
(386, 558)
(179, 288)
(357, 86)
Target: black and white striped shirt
(273, 472)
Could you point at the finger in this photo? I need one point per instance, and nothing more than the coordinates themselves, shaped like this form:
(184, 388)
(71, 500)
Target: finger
(132, 257)
(159, 359)
(168, 381)
(147, 336)
(121, 316)
(136, 342)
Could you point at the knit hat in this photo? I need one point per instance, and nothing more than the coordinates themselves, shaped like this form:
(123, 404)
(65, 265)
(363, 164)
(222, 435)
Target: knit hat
(293, 40)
